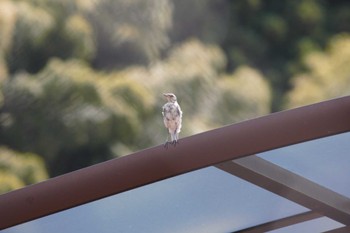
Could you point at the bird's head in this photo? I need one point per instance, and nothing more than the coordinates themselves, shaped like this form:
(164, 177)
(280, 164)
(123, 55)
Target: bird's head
(170, 97)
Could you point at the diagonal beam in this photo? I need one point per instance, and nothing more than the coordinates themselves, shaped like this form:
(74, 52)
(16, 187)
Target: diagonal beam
(291, 186)
(345, 229)
(280, 223)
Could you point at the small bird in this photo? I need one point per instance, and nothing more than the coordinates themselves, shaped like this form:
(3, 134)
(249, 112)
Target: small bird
(172, 117)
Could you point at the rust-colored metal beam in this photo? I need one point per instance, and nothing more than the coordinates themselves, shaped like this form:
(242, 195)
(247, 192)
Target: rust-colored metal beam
(280, 223)
(290, 186)
(157, 163)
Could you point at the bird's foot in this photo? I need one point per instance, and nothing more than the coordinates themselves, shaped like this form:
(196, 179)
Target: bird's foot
(175, 142)
(166, 144)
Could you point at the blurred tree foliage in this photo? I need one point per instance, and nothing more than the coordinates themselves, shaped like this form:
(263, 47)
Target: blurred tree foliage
(130, 32)
(327, 75)
(81, 80)
(207, 20)
(274, 36)
(19, 169)
(70, 114)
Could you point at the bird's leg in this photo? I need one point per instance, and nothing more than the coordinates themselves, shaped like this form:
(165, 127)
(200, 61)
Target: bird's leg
(177, 138)
(166, 144)
(174, 139)
(175, 142)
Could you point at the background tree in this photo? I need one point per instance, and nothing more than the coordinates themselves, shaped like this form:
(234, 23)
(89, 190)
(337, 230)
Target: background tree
(327, 75)
(19, 169)
(130, 32)
(70, 115)
(206, 20)
(274, 36)
(82, 81)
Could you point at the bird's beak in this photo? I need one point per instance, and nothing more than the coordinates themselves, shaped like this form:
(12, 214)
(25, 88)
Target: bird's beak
(165, 94)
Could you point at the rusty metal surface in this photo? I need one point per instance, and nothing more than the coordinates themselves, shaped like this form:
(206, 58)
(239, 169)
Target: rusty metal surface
(194, 152)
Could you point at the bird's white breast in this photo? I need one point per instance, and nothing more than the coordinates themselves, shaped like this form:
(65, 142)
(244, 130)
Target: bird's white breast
(172, 116)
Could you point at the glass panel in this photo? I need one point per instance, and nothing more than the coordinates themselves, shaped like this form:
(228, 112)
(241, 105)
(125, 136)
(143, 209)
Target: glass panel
(207, 200)
(325, 161)
(315, 225)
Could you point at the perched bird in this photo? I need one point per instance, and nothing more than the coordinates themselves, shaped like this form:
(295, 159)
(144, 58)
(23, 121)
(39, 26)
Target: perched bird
(172, 117)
